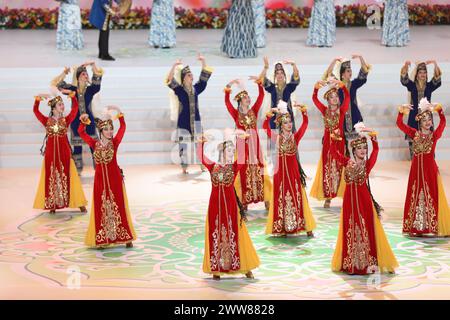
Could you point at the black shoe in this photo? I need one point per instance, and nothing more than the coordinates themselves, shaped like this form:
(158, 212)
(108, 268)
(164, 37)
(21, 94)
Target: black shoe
(108, 57)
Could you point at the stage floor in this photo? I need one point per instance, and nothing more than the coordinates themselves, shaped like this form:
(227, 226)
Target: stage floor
(38, 251)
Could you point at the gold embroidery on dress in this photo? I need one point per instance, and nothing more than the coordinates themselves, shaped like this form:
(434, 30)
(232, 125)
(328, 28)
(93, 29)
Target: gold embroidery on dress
(222, 175)
(58, 194)
(331, 120)
(103, 153)
(358, 247)
(55, 127)
(254, 184)
(422, 214)
(224, 255)
(332, 177)
(290, 219)
(111, 228)
(422, 143)
(301, 222)
(356, 174)
(286, 146)
(247, 121)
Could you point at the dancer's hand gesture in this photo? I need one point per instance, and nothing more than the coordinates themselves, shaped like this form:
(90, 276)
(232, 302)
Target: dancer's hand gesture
(266, 63)
(84, 118)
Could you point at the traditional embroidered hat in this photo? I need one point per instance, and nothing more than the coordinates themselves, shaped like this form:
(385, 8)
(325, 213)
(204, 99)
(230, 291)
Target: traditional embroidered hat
(329, 91)
(283, 113)
(278, 66)
(52, 102)
(425, 108)
(80, 70)
(361, 141)
(238, 97)
(184, 72)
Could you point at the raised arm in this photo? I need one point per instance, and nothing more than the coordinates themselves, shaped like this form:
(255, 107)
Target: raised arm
(73, 112)
(301, 131)
(329, 71)
(442, 123)
(200, 86)
(82, 131)
(258, 103)
(436, 80)
(404, 78)
(97, 74)
(121, 132)
(203, 158)
(373, 156)
(60, 78)
(336, 154)
(405, 128)
(345, 104)
(42, 119)
(361, 79)
(266, 126)
(322, 108)
(232, 111)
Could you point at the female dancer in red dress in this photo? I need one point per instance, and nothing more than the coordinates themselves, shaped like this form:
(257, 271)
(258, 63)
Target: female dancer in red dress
(59, 185)
(228, 247)
(110, 221)
(426, 209)
(252, 184)
(328, 182)
(361, 246)
(289, 211)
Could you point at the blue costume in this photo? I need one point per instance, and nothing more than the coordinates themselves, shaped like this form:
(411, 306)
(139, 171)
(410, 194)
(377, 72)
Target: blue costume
(278, 93)
(353, 115)
(418, 92)
(189, 122)
(395, 24)
(84, 97)
(100, 16)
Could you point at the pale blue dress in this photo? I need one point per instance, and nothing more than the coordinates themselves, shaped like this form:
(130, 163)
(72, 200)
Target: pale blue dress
(322, 24)
(395, 24)
(68, 33)
(259, 10)
(162, 24)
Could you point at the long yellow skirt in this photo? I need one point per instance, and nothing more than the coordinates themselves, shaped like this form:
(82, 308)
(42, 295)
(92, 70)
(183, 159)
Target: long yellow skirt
(90, 235)
(317, 187)
(386, 259)
(310, 222)
(267, 186)
(443, 210)
(247, 254)
(76, 196)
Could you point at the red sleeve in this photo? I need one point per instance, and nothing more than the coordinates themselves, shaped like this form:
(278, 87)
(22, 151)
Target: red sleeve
(121, 132)
(42, 119)
(322, 108)
(266, 126)
(343, 160)
(257, 106)
(237, 167)
(301, 131)
(344, 107)
(442, 123)
(373, 156)
(405, 128)
(73, 112)
(204, 159)
(85, 136)
(233, 112)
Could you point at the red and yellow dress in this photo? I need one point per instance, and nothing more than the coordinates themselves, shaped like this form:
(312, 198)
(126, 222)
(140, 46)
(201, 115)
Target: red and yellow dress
(59, 185)
(252, 183)
(362, 246)
(228, 247)
(289, 211)
(110, 221)
(329, 182)
(426, 208)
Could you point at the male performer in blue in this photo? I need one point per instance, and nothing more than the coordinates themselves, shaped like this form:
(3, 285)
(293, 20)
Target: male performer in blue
(85, 90)
(188, 124)
(100, 17)
(353, 115)
(419, 88)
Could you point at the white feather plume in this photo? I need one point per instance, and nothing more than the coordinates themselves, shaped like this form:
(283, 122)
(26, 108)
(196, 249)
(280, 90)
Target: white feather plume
(425, 105)
(282, 105)
(359, 127)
